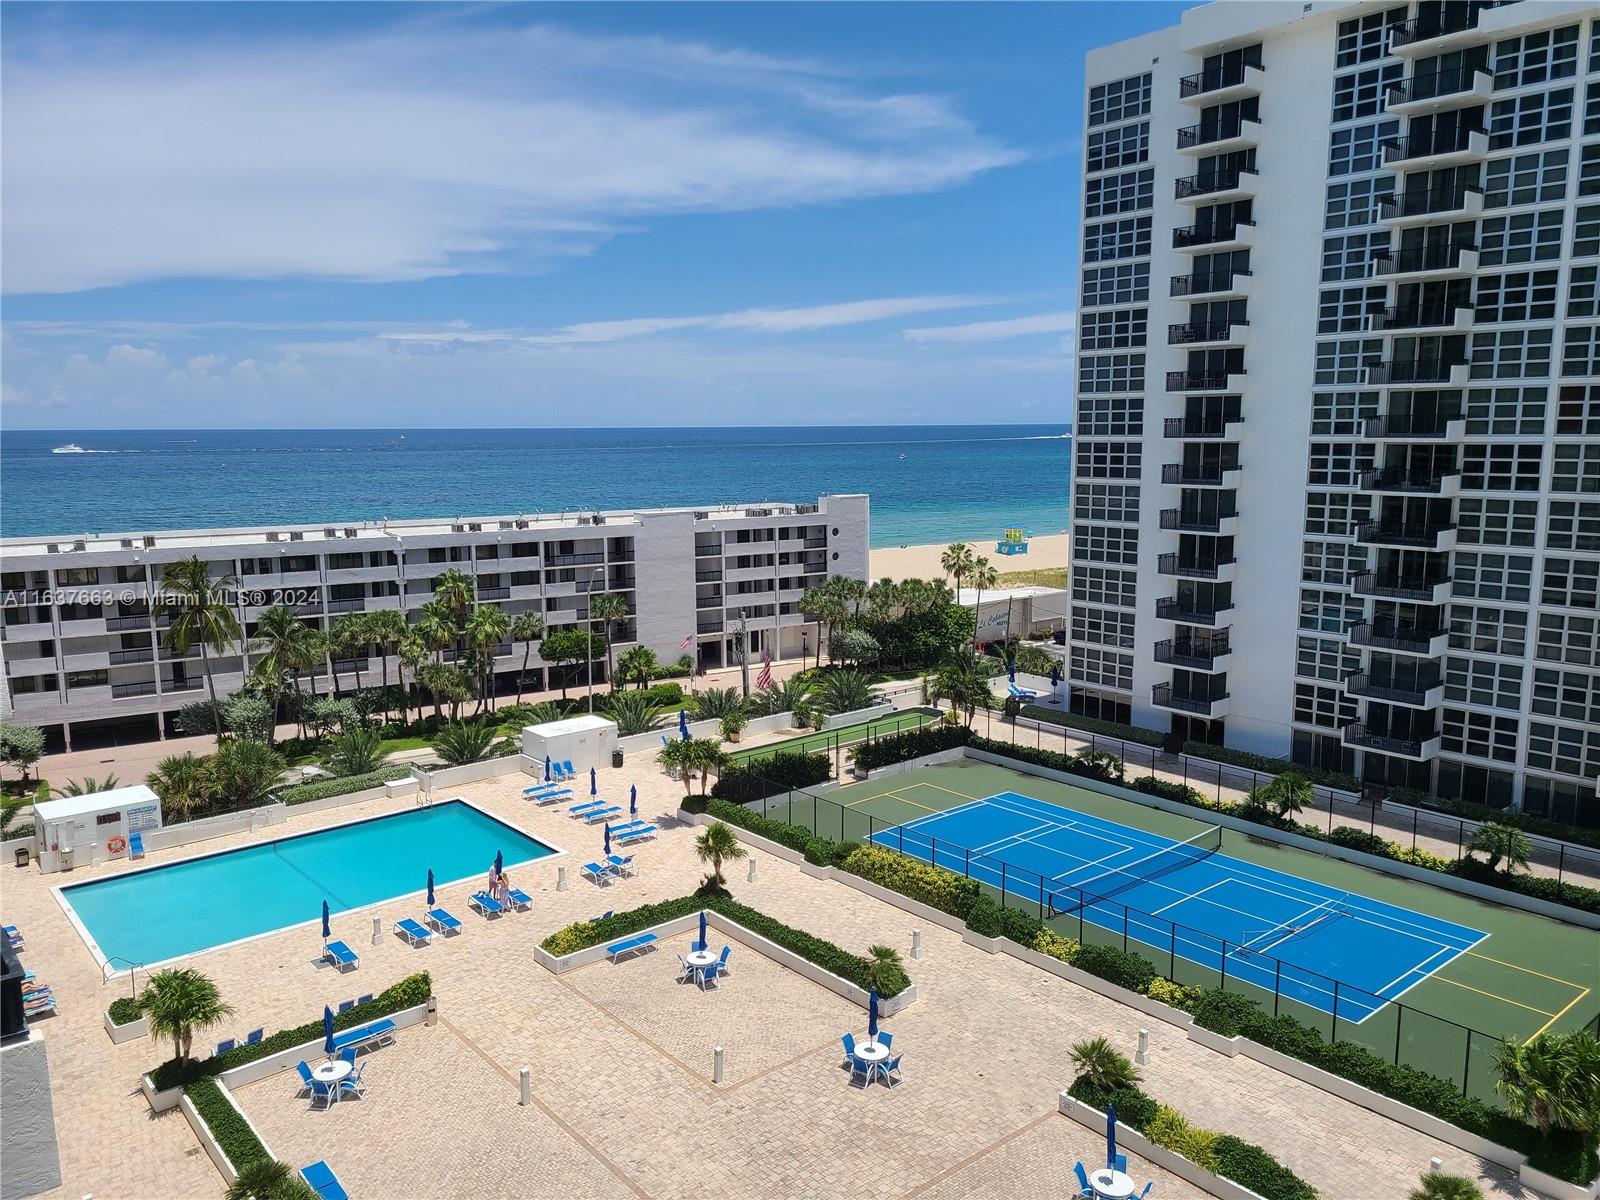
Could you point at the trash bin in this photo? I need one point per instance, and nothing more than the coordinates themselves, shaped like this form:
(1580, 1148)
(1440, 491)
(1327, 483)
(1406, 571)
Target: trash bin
(616, 758)
(22, 856)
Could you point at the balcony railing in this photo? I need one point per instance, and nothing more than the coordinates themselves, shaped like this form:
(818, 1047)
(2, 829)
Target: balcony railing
(1429, 427)
(1388, 637)
(1362, 684)
(1189, 236)
(1200, 331)
(1398, 587)
(139, 654)
(1208, 183)
(1445, 20)
(1409, 747)
(135, 621)
(357, 603)
(1461, 144)
(1431, 202)
(709, 601)
(1205, 135)
(1172, 609)
(1195, 476)
(1213, 80)
(1200, 652)
(712, 576)
(1420, 534)
(185, 685)
(1202, 428)
(1412, 370)
(1435, 85)
(815, 543)
(1194, 522)
(120, 691)
(1204, 283)
(1420, 316)
(1191, 568)
(1416, 481)
(1418, 259)
(573, 560)
(1197, 381)
(709, 626)
(1162, 696)
(494, 593)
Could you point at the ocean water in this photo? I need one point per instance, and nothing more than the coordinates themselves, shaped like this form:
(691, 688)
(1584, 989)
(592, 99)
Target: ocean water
(929, 483)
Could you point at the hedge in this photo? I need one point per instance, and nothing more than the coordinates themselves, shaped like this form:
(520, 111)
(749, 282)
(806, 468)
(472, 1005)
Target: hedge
(1126, 733)
(930, 885)
(1541, 887)
(1539, 826)
(227, 1124)
(406, 993)
(1178, 793)
(771, 775)
(1252, 1167)
(305, 793)
(914, 743)
(988, 919)
(1116, 966)
(795, 837)
(1272, 766)
(124, 1010)
(831, 958)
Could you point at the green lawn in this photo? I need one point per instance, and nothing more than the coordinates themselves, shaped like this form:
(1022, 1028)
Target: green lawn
(844, 735)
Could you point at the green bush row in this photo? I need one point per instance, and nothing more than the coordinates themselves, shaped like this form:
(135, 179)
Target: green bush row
(927, 884)
(1272, 766)
(1097, 767)
(1541, 887)
(1538, 826)
(305, 793)
(1110, 729)
(233, 1133)
(913, 743)
(406, 993)
(825, 954)
(771, 775)
(794, 837)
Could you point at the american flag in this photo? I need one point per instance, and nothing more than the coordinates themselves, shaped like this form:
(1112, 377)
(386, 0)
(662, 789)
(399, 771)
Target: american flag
(687, 642)
(764, 680)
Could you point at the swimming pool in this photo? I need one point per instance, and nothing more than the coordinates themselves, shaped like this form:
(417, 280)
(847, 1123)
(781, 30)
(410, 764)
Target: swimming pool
(161, 913)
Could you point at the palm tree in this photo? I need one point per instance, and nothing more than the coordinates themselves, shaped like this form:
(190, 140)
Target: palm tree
(287, 646)
(1502, 843)
(609, 609)
(1552, 1079)
(840, 690)
(1286, 796)
(678, 754)
(826, 607)
(783, 696)
(180, 781)
(200, 611)
(386, 628)
(347, 637)
(633, 713)
(851, 592)
(355, 752)
(460, 742)
(884, 970)
(243, 773)
(982, 576)
(268, 1179)
(712, 703)
(638, 665)
(436, 626)
(86, 786)
(883, 597)
(956, 561)
(717, 845)
(527, 628)
(1102, 1066)
(447, 685)
(1435, 1185)
(455, 590)
(963, 680)
(486, 628)
(179, 1001)
(706, 755)
(413, 653)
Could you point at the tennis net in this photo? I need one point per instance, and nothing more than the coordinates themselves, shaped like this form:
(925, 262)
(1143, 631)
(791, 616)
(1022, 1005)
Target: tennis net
(1116, 880)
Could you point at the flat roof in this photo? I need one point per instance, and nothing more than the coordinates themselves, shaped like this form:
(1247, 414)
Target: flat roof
(95, 802)
(583, 724)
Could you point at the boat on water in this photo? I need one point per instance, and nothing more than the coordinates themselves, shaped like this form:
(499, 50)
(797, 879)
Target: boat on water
(69, 448)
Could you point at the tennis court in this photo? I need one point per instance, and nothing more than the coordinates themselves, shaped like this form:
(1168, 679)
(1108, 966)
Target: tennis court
(842, 735)
(1260, 925)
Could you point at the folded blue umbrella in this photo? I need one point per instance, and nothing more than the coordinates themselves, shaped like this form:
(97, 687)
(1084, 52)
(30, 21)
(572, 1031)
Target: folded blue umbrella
(633, 800)
(326, 931)
(608, 837)
(499, 862)
(1011, 672)
(594, 789)
(430, 887)
(547, 768)
(872, 1013)
(1055, 676)
(702, 927)
(327, 1030)
(683, 724)
(1111, 1137)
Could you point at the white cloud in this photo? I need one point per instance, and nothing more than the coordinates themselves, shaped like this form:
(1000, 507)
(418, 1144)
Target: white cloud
(432, 148)
(992, 331)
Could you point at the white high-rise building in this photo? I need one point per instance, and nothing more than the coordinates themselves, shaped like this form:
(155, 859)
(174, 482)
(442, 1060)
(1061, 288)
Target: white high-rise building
(1337, 437)
(82, 628)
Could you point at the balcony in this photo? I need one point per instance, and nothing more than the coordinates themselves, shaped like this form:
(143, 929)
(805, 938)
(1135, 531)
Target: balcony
(1198, 428)
(1438, 31)
(709, 601)
(495, 593)
(1219, 139)
(1216, 187)
(357, 604)
(1220, 85)
(1422, 589)
(1184, 475)
(1425, 643)
(1205, 652)
(1433, 91)
(1417, 535)
(140, 654)
(183, 685)
(1221, 285)
(136, 621)
(1194, 568)
(1177, 519)
(709, 625)
(1359, 737)
(1409, 481)
(1199, 381)
(1402, 371)
(577, 560)
(1239, 235)
(1162, 696)
(1390, 692)
(1425, 262)
(1209, 333)
(123, 691)
(1173, 609)
(1434, 206)
(1418, 153)
(1455, 316)
(1411, 427)
(713, 575)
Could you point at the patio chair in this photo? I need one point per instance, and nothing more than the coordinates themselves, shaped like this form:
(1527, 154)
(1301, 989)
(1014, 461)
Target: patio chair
(320, 1179)
(849, 1041)
(708, 975)
(722, 963)
(223, 1047)
(322, 1092)
(136, 845)
(697, 945)
(862, 1069)
(685, 971)
(597, 874)
(254, 1036)
(520, 900)
(603, 916)
(412, 932)
(443, 922)
(622, 864)
(367, 999)
(348, 1054)
(486, 904)
(345, 1006)
(351, 1085)
(891, 1069)
(305, 1078)
(1084, 1189)
(886, 1038)
(341, 955)
(566, 767)
(1147, 1188)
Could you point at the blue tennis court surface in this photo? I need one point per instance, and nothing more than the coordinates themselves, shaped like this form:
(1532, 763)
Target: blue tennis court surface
(1265, 927)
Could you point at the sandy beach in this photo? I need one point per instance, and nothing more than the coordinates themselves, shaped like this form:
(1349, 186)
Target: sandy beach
(922, 562)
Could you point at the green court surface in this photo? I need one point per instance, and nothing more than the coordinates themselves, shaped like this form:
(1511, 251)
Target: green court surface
(1528, 974)
(843, 735)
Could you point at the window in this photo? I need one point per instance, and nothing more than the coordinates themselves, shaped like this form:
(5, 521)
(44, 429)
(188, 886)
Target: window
(1591, 108)
(1344, 362)
(1331, 562)
(1483, 629)
(1360, 94)
(1586, 232)
(1108, 627)
(1355, 202)
(1111, 373)
(1334, 514)
(1505, 411)
(1530, 119)
(1345, 310)
(1104, 585)
(1536, 58)
(1324, 658)
(1523, 237)
(1482, 735)
(1346, 257)
(1571, 583)
(1581, 292)
(1539, 177)
(1362, 40)
(1589, 168)
(1122, 147)
(1483, 576)
(1116, 239)
(1122, 193)
(1483, 681)
(1573, 525)
(1355, 149)
(1328, 612)
(1338, 464)
(1120, 100)
(1580, 351)
(1106, 502)
(1577, 467)
(1121, 284)
(1566, 695)
(1327, 707)
(1565, 749)
(1567, 639)
(1517, 296)
(1511, 353)
(1493, 522)
(1339, 414)
(1501, 466)
(1104, 667)
(1118, 329)
(1578, 411)
(1101, 416)
(1105, 544)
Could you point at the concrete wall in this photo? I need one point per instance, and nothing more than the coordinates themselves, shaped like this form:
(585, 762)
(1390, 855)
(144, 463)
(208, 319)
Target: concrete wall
(31, 1163)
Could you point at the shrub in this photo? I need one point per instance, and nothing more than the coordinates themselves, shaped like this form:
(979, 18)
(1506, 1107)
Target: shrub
(1360, 839)
(988, 918)
(1176, 994)
(124, 1010)
(355, 752)
(1541, 887)
(227, 1124)
(1419, 857)
(793, 836)
(248, 716)
(1110, 729)
(1252, 1167)
(1134, 1108)
(1100, 1065)
(1539, 826)
(913, 743)
(1566, 1155)
(196, 718)
(1048, 941)
(1272, 766)
(930, 885)
(1169, 1128)
(304, 793)
(1435, 1185)
(1116, 966)
(1168, 790)
(768, 776)
(1227, 1013)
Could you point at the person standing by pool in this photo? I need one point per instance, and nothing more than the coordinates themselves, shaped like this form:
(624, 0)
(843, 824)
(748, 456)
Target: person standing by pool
(503, 888)
(494, 879)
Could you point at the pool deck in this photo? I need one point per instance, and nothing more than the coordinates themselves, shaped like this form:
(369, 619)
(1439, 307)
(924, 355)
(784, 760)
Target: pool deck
(624, 1103)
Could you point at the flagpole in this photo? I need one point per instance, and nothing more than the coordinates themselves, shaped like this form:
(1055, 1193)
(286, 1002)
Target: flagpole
(744, 657)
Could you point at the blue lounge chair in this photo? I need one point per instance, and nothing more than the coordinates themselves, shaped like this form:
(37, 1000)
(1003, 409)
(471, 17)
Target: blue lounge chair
(136, 845)
(1021, 693)
(626, 825)
(305, 1078)
(486, 904)
(341, 955)
(223, 1047)
(320, 1179)
(31, 1008)
(364, 999)
(597, 874)
(443, 922)
(520, 900)
(14, 936)
(254, 1036)
(566, 769)
(622, 864)
(543, 798)
(412, 932)
(633, 945)
(588, 806)
(635, 835)
(1084, 1190)
(369, 1037)
(345, 1006)
(601, 814)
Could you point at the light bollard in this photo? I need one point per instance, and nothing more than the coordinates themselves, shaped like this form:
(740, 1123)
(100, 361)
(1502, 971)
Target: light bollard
(377, 930)
(751, 874)
(1435, 1165)
(1142, 1057)
(716, 1064)
(527, 1085)
(561, 878)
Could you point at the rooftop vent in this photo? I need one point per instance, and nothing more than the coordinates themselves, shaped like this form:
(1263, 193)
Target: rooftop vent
(296, 536)
(329, 532)
(350, 531)
(149, 543)
(127, 543)
(273, 535)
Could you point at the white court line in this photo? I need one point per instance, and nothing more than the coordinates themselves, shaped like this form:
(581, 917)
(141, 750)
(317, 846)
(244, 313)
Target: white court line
(1188, 896)
(1016, 837)
(960, 808)
(1459, 951)
(1379, 992)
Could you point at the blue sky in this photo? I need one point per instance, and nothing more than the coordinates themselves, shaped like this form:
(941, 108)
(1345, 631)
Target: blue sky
(344, 215)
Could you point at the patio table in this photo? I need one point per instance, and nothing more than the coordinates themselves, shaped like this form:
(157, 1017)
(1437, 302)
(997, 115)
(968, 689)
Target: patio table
(1111, 1185)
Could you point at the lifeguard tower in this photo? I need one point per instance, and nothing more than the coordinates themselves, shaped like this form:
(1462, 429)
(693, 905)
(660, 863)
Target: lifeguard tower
(1013, 541)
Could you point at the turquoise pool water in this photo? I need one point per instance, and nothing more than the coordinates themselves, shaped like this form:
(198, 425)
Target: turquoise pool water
(164, 912)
